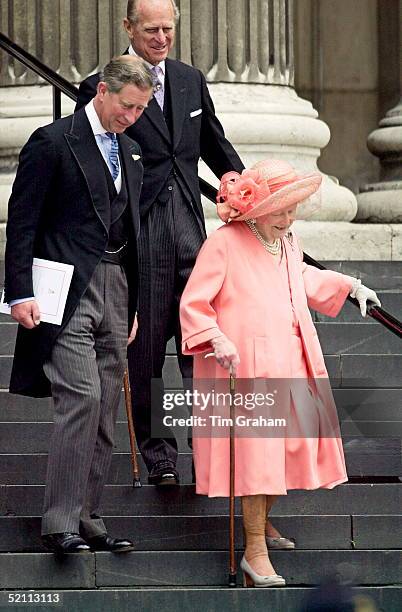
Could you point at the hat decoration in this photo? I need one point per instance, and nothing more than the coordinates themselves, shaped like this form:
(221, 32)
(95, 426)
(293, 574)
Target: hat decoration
(266, 187)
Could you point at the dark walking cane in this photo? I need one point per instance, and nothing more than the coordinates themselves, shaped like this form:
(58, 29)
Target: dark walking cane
(232, 581)
(232, 558)
(131, 432)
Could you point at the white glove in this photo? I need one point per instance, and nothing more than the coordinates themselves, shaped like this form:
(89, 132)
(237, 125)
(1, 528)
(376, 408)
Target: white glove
(362, 295)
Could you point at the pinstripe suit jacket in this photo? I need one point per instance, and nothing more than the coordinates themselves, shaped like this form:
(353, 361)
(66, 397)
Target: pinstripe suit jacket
(59, 210)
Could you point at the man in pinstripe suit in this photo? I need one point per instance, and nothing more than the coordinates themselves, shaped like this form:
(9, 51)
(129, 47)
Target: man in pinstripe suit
(178, 127)
(75, 200)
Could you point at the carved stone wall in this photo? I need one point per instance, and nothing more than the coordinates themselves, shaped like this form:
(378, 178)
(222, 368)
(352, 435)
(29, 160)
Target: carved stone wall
(74, 37)
(242, 41)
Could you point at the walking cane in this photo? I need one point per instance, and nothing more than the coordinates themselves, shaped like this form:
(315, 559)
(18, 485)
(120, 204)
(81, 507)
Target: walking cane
(131, 432)
(232, 558)
(232, 581)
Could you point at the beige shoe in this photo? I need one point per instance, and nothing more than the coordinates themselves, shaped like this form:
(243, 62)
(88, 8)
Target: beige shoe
(254, 509)
(250, 578)
(280, 543)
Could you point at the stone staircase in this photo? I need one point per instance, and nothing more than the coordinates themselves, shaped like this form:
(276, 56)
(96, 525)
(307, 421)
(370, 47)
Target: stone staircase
(180, 561)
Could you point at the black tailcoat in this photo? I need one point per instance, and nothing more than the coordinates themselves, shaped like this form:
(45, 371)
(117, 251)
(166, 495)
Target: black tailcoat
(59, 210)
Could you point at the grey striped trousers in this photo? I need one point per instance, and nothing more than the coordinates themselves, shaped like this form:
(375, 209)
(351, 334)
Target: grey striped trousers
(86, 370)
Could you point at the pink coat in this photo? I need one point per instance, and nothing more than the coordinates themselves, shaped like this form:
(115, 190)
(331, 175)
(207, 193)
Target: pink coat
(236, 289)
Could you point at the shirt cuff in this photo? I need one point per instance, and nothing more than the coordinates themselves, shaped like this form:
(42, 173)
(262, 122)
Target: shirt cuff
(20, 301)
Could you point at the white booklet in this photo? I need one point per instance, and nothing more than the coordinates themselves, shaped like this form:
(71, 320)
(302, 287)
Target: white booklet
(51, 283)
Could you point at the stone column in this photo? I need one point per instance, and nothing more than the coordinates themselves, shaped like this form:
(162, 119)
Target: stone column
(73, 37)
(381, 202)
(245, 48)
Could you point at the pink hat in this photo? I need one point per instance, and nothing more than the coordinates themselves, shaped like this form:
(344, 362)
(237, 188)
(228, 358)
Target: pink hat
(267, 187)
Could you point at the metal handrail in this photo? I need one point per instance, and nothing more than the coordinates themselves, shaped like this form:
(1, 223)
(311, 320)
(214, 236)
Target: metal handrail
(34, 64)
(61, 85)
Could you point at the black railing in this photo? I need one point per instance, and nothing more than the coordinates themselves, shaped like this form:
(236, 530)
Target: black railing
(61, 85)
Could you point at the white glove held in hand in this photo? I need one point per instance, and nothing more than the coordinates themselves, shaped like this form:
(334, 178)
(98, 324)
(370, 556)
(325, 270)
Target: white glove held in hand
(362, 294)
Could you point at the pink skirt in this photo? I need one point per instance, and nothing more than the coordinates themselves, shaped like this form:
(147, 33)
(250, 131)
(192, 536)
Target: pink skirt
(273, 465)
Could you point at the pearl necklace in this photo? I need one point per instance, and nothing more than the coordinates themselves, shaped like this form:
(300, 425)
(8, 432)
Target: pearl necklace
(274, 248)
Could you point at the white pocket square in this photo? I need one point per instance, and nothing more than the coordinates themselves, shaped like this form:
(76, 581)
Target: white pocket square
(196, 112)
(136, 157)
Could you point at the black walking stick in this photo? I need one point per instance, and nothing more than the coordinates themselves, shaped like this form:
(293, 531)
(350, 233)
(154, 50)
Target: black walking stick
(131, 432)
(232, 558)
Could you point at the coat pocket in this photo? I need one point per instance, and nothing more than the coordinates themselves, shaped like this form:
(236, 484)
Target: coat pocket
(315, 356)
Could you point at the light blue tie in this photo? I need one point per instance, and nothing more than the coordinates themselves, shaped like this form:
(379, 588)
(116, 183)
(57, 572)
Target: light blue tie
(114, 155)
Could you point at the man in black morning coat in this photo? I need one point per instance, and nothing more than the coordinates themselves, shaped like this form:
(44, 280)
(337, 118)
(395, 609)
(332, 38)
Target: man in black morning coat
(178, 127)
(75, 200)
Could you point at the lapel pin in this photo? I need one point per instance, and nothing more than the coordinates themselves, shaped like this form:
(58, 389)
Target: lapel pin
(136, 157)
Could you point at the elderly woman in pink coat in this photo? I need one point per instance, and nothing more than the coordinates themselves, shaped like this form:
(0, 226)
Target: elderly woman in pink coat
(248, 300)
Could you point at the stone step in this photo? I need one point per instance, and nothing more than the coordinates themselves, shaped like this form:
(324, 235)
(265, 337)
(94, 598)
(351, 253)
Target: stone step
(22, 408)
(357, 338)
(5, 371)
(33, 438)
(371, 371)
(123, 500)
(391, 301)
(31, 469)
(22, 534)
(378, 275)
(366, 457)
(197, 599)
(373, 457)
(356, 371)
(8, 332)
(29, 438)
(357, 404)
(190, 568)
(336, 336)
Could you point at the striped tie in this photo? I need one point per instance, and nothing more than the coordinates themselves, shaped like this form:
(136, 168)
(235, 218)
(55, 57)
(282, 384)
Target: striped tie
(114, 155)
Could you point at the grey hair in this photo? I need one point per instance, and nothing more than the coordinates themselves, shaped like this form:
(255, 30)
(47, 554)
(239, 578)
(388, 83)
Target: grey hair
(126, 70)
(133, 15)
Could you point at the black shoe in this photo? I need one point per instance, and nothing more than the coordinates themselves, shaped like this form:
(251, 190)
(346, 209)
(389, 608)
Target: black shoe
(163, 473)
(66, 542)
(106, 543)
